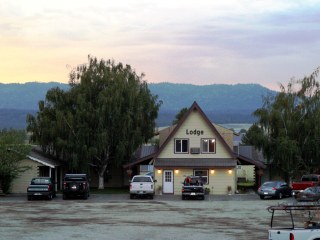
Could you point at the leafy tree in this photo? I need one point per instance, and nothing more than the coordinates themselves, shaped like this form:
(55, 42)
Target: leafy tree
(12, 150)
(288, 127)
(107, 113)
(180, 115)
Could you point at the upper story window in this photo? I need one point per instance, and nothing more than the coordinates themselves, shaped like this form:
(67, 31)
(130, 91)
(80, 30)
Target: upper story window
(208, 145)
(181, 145)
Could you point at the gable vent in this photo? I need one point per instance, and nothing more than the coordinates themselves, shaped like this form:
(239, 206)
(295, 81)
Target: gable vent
(194, 150)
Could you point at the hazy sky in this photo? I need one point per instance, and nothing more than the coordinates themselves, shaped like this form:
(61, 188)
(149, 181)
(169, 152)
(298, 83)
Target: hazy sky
(199, 42)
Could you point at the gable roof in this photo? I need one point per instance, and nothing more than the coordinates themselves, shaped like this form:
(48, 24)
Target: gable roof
(194, 107)
(144, 153)
(37, 156)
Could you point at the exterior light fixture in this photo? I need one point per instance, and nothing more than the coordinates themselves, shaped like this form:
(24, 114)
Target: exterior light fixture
(159, 171)
(176, 171)
(212, 171)
(229, 171)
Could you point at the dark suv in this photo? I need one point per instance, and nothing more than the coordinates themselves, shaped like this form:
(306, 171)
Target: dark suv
(76, 185)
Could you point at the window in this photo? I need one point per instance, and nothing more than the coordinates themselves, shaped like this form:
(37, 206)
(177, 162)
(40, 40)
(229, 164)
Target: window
(203, 173)
(208, 145)
(181, 146)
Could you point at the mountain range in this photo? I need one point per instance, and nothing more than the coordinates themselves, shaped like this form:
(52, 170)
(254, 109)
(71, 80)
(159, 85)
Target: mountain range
(222, 103)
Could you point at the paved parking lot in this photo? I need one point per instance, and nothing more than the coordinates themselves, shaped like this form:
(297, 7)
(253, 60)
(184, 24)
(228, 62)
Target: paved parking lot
(117, 217)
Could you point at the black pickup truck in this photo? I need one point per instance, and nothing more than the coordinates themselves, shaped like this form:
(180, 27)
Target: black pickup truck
(41, 187)
(76, 185)
(192, 188)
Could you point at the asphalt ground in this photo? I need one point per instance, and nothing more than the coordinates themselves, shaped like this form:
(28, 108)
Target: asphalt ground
(240, 216)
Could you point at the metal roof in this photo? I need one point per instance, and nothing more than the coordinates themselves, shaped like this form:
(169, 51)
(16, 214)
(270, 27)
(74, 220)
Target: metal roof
(195, 162)
(37, 156)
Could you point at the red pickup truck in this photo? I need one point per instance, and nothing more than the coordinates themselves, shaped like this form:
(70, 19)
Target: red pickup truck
(309, 180)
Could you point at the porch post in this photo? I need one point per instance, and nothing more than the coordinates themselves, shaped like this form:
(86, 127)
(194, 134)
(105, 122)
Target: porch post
(55, 179)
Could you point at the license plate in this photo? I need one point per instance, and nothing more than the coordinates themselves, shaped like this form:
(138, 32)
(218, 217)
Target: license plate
(265, 193)
(37, 194)
(140, 192)
(193, 194)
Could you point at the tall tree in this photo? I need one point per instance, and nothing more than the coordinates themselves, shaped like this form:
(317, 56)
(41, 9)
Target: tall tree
(12, 151)
(107, 113)
(287, 127)
(180, 115)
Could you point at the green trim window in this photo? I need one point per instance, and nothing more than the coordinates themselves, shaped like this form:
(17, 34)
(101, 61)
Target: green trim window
(208, 145)
(181, 145)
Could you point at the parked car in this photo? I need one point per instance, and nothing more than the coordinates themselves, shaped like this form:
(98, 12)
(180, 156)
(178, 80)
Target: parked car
(142, 185)
(41, 187)
(309, 194)
(278, 189)
(76, 185)
(308, 180)
(192, 188)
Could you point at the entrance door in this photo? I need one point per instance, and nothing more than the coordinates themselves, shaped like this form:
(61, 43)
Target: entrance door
(167, 181)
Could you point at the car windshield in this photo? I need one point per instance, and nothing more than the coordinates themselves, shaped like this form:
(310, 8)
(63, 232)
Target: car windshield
(75, 179)
(269, 184)
(309, 190)
(193, 181)
(40, 181)
(141, 179)
(309, 178)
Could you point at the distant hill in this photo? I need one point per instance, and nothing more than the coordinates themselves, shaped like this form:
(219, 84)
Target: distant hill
(222, 103)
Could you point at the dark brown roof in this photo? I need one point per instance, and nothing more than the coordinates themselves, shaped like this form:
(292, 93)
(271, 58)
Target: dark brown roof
(195, 162)
(245, 161)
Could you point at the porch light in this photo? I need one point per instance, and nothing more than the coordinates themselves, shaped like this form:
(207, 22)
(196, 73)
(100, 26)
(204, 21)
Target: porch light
(212, 171)
(176, 171)
(159, 171)
(230, 171)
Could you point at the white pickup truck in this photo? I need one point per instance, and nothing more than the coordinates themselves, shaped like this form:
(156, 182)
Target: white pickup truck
(142, 185)
(309, 230)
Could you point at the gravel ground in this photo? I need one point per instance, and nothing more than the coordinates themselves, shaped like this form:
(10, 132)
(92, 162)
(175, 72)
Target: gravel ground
(117, 217)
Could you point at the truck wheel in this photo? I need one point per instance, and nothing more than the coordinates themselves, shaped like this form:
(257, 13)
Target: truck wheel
(183, 197)
(85, 197)
(29, 198)
(64, 196)
(202, 198)
(49, 197)
(151, 196)
(131, 196)
(261, 197)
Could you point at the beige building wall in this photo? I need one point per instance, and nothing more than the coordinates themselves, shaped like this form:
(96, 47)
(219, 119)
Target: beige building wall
(197, 123)
(247, 172)
(21, 183)
(219, 180)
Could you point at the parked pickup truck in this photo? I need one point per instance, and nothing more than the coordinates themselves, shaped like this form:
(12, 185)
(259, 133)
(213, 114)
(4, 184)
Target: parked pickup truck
(192, 188)
(309, 180)
(41, 187)
(308, 229)
(75, 185)
(142, 185)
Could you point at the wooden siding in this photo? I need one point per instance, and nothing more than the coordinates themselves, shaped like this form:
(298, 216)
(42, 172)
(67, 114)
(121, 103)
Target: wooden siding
(195, 122)
(21, 183)
(218, 181)
(247, 172)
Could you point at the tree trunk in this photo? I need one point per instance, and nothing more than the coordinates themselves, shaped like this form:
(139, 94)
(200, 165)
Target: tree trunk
(101, 182)
(101, 176)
